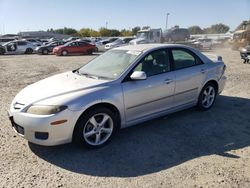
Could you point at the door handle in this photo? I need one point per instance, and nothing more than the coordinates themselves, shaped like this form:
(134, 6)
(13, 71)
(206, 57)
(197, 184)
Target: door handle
(168, 81)
(203, 71)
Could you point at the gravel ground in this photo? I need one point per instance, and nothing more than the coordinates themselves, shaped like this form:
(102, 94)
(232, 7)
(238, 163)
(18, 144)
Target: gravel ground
(185, 149)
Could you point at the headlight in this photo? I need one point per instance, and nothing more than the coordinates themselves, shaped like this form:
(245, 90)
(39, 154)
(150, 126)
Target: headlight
(45, 110)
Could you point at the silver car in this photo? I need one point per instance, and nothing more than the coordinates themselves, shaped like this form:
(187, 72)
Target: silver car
(18, 47)
(120, 88)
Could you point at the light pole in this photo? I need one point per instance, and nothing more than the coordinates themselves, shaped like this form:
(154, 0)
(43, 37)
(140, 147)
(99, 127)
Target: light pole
(106, 25)
(167, 21)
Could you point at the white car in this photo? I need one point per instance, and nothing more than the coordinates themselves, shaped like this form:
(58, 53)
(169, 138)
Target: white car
(118, 42)
(18, 47)
(101, 45)
(122, 87)
(204, 43)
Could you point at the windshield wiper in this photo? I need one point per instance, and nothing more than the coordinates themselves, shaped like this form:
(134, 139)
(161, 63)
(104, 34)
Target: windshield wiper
(88, 75)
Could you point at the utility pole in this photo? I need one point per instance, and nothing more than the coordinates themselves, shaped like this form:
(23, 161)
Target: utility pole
(106, 25)
(167, 21)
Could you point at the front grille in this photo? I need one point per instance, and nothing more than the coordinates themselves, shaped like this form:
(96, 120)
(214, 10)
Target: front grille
(17, 127)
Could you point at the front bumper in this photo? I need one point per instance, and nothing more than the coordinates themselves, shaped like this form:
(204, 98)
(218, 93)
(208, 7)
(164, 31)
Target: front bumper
(34, 128)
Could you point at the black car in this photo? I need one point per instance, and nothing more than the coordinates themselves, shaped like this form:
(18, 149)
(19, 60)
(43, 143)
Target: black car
(2, 50)
(46, 49)
(245, 54)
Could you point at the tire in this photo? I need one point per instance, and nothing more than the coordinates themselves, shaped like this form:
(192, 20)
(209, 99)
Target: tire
(207, 97)
(45, 52)
(2, 51)
(89, 52)
(29, 51)
(64, 53)
(95, 128)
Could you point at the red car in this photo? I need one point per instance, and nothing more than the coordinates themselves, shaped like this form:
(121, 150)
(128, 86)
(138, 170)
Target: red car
(75, 47)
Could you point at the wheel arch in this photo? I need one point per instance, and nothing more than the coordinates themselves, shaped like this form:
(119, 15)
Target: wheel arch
(215, 83)
(107, 105)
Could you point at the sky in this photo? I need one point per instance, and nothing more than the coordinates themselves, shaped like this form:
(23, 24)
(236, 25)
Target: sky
(31, 15)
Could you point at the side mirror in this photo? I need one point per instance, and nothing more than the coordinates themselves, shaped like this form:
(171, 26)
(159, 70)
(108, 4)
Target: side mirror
(138, 75)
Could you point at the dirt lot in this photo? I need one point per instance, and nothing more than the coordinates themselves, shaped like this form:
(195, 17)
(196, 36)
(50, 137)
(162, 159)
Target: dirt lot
(185, 149)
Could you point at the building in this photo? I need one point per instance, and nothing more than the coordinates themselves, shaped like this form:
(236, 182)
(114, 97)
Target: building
(41, 35)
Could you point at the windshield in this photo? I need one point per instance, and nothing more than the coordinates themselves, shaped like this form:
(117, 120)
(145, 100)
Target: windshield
(142, 35)
(109, 65)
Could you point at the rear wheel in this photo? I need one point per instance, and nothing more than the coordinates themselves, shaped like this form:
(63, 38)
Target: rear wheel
(95, 128)
(29, 51)
(89, 52)
(207, 97)
(45, 52)
(64, 52)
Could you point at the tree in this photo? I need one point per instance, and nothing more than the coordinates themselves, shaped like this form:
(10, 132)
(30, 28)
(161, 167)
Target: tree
(114, 33)
(66, 31)
(104, 32)
(193, 30)
(146, 27)
(125, 32)
(217, 28)
(135, 30)
(84, 32)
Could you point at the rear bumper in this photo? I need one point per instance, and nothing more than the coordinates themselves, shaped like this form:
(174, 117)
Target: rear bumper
(222, 83)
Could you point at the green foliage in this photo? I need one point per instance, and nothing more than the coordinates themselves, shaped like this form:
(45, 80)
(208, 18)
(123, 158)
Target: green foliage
(135, 30)
(217, 28)
(125, 32)
(65, 31)
(193, 30)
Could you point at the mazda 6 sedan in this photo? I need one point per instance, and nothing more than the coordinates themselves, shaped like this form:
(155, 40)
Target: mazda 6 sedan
(122, 87)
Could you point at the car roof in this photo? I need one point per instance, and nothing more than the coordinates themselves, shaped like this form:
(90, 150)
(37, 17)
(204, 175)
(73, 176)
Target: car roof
(146, 47)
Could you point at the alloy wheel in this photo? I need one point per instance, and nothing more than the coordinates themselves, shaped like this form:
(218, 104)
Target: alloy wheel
(98, 129)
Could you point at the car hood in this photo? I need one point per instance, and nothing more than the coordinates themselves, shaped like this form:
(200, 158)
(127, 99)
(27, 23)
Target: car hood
(55, 86)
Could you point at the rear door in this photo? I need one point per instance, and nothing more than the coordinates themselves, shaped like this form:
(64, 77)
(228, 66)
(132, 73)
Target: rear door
(190, 73)
(83, 47)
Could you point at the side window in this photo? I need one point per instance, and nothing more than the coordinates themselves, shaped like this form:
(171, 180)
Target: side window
(21, 43)
(183, 59)
(154, 63)
(82, 44)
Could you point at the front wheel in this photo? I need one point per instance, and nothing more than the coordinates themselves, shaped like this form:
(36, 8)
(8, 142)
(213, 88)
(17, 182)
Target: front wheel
(64, 52)
(95, 128)
(29, 51)
(207, 97)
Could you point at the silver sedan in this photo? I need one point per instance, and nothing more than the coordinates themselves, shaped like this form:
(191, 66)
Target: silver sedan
(120, 88)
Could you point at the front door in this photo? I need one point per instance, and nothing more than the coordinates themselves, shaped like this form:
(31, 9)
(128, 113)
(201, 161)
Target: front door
(154, 94)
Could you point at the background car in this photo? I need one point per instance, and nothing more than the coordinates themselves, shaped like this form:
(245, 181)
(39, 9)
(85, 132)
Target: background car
(102, 43)
(245, 54)
(75, 47)
(46, 49)
(71, 39)
(2, 50)
(118, 42)
(204, 43)
(35, 42)
(177, 34)
(18, 47)
(120, 88)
